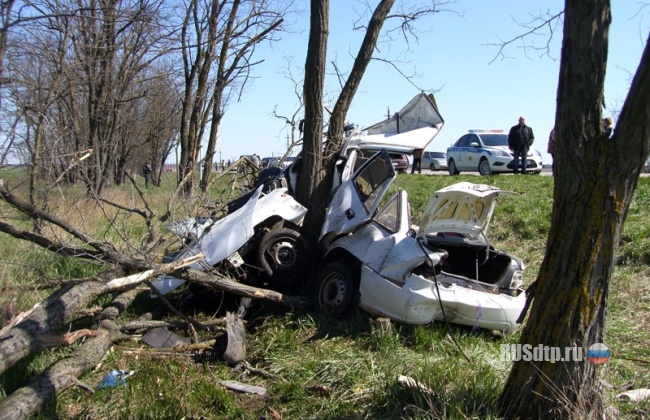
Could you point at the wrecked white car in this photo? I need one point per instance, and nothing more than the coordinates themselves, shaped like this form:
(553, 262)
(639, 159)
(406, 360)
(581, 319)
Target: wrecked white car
(445, 269)
(262, 229)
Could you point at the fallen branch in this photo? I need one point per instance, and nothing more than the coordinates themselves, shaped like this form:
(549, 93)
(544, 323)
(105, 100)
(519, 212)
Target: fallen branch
(33, 332)
(219, 282)
(179, 325)
(28, 400)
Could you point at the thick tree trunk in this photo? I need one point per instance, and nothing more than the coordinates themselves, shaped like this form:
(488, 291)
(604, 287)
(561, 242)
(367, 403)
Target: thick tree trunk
(570, 293)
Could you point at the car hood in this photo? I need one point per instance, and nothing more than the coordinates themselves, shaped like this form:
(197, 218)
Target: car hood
(503, 148)
(506, 149)
(413, 127)
(463, 208)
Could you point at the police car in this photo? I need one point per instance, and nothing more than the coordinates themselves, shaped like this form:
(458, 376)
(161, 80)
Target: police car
(487, 152)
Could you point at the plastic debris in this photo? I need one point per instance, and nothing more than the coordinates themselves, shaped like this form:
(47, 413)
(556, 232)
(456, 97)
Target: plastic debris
(114, 378)
(240, 387)
(162, 337)
(635, 395)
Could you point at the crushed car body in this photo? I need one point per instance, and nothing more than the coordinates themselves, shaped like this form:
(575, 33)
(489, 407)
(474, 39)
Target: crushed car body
(271, 221)
(445, 269)
(373, 256)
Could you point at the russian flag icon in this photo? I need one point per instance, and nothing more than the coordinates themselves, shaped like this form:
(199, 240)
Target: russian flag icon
(598, 353)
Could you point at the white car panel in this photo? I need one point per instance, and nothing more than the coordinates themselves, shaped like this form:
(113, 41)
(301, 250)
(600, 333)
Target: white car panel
(219, 239)
(357, 198)
(413, 127)
(463, 207)
(394, 280)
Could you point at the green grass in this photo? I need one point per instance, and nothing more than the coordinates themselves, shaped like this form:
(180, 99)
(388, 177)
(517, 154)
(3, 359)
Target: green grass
(323, 368)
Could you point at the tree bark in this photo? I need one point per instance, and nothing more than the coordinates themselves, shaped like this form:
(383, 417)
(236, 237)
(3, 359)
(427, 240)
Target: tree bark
(571, 290)
(318, 171)
(215, 281)
(32, 334)
(311, 190)
(32, 398)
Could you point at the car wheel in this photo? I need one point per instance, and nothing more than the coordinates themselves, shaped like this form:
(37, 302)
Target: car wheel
(452, 168)
(284, 255)
(335, 289)
(432, 167)
(484, 167)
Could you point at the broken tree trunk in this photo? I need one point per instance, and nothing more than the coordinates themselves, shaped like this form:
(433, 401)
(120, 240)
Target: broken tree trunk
(32, 333)
(28, 400)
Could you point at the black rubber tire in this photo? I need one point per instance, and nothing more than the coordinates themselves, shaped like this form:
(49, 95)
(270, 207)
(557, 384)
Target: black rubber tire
(484, 167)
(335, 290)
(452, 168)
(285, 256)
(432, 167)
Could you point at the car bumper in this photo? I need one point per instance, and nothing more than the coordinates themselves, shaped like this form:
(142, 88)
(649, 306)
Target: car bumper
(531, 165)
(417, 302)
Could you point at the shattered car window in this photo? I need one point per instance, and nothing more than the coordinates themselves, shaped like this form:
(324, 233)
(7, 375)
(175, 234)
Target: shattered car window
(388, 216)
(369, 182)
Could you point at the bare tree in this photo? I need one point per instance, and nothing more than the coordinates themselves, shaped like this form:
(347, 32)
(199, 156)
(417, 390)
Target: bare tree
(569, 296)
(218, 41)
(317, 172)
(91, 58)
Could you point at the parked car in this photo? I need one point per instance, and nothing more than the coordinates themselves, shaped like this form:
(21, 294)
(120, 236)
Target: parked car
(269, 162)
(487, 152)
(400, 162)
(435, 161)
(445, 269)
(646, 167)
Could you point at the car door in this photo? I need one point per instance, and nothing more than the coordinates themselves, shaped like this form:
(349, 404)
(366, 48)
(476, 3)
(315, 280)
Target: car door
(461, 153)
(472, 152)
(356, 199)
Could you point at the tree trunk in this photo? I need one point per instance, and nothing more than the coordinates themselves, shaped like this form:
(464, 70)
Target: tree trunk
(571, 291)
(312, 191)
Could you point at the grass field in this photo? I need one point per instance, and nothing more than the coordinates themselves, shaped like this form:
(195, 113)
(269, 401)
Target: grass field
(313, 366)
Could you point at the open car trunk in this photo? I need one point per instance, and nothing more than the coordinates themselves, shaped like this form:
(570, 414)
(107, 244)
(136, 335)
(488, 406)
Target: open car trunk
(477, 266)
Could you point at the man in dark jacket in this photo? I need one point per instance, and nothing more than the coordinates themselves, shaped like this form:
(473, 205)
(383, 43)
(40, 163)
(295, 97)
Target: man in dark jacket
(520, 139)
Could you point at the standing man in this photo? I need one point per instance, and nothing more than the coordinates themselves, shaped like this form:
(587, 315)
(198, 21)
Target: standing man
(146, 172)
(520, 139)
(417, 161)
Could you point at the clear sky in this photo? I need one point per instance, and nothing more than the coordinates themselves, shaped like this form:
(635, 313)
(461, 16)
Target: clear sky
(452, 58)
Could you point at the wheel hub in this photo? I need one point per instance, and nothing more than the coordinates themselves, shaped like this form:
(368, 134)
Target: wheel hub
(284, 255)
(334, 291)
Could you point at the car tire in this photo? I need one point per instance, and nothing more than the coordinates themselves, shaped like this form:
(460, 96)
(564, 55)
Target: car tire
(335, 289)
(452, 168)
(432, 167)
(484, 167)
(284, 255)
